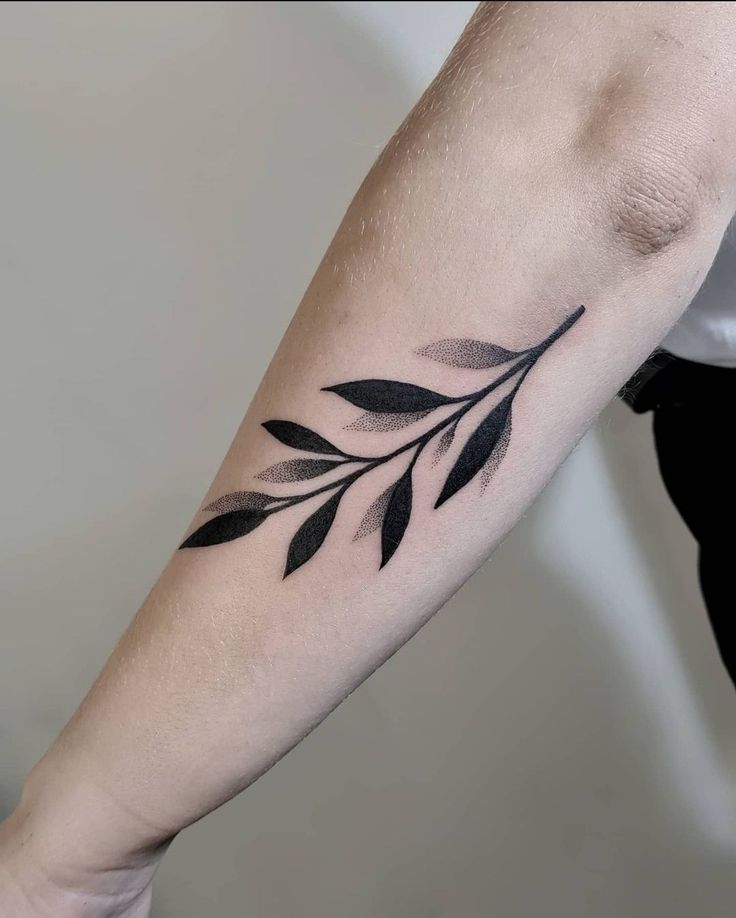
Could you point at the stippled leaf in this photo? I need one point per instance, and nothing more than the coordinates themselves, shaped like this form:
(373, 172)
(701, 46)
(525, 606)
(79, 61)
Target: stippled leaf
(297, 469)
(383, 421)
(240, 500)
(444, 443)
(374, 515)
(467, 353)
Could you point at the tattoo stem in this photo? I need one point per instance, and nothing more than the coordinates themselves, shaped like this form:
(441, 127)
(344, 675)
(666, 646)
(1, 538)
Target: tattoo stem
(525, 364)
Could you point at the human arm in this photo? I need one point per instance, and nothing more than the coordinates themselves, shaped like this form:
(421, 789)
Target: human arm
(527, 214)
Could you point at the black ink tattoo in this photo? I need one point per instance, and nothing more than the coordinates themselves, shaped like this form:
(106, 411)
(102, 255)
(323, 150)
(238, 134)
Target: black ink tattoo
(387, 405)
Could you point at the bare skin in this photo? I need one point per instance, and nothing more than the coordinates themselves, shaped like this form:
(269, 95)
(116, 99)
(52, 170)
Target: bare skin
(566, 154)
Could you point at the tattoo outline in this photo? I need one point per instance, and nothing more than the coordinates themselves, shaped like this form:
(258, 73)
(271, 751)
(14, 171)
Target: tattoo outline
(388, 405)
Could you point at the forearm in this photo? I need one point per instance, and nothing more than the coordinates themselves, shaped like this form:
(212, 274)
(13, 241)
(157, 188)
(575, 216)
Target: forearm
(542, 170)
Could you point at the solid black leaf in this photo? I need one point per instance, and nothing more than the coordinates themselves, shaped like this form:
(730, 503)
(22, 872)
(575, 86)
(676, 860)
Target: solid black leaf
(299, 437)
(494, 461)
(385, 395)
(476, 452)
(225, 528)
(241, 500)
(297, 469)
(311, 534)
(397, 516)
(467, 353)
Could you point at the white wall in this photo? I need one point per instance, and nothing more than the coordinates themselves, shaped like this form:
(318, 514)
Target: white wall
(561, 739)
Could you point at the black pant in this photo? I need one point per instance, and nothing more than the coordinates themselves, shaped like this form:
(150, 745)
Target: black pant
(694, 410)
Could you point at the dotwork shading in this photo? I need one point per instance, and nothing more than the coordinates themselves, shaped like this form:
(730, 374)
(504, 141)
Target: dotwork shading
(388, 406)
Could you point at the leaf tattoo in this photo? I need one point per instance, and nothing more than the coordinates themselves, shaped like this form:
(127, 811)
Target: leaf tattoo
(467, 353)
(397, 516)
(478, 450)
(298, 437)
(496, 458)
(225, 528)
(444, 443)
(374, 515)
(384, 395)
(241, 500)
(297, 469)
(383, 421)
(388, 405)
(311, 534)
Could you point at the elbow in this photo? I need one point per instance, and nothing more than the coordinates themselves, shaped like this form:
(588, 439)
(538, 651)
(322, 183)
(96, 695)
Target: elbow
(652, 206)
(656, 201)
(659, 186)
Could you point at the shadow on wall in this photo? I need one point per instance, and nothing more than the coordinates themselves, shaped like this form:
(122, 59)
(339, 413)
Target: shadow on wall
(179, 170)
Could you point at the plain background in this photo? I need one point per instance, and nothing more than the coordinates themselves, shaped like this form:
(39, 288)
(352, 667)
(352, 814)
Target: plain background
(561, 739)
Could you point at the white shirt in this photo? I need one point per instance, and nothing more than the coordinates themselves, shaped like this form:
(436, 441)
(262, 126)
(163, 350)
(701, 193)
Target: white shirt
(706, 332)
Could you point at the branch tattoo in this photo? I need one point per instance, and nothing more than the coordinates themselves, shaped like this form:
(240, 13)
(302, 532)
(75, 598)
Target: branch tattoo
(387, 406)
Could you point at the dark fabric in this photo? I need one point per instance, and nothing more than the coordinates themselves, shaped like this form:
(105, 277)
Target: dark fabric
(694, 410)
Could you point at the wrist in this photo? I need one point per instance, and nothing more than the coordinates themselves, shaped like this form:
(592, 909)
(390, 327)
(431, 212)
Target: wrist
(32, 889)
(55, 860)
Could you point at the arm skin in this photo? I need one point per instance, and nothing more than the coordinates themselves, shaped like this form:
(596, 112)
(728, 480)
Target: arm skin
(566, 154)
